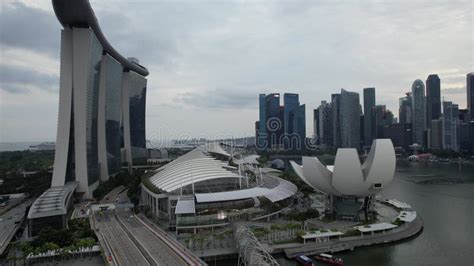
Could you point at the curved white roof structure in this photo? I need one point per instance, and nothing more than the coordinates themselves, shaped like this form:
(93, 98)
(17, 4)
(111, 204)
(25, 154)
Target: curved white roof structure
(282, 190)
(199, 165)
(54, 201)
(195, 166)
(348, 176)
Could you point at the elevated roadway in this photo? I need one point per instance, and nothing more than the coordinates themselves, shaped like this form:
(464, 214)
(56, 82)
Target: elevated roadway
(10, 222)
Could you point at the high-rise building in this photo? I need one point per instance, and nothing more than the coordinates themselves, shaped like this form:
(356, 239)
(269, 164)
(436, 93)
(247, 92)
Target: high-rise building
(325, 127)
(466, 140)
(294, 122)
(470, 94)
(418, 112)
(404, 111)
(280, 126)
(389, 118)
(316, 125)
(436, 134)
(450, 126)
(297, 128)
(290, 103)
(379, 120)
(273, 120)
(433, 99)
(336, 123)
(134, 99)
(93, 105)
(109, 117)
(400, 134)
(261, 134)
(463, 115)
(369, 104)
(350, 119)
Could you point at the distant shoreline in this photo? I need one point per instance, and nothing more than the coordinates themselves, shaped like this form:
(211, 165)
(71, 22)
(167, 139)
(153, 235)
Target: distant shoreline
(18, 146)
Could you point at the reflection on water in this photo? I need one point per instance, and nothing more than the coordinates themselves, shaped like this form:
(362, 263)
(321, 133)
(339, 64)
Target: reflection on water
(448, 212)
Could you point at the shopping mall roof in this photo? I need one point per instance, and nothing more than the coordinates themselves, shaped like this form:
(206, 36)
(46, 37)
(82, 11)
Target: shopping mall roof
(54, 201)
(185, 206)
(195, 166)
(281, 190)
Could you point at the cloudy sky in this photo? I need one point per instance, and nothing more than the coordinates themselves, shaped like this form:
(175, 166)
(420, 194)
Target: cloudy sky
(209, 60)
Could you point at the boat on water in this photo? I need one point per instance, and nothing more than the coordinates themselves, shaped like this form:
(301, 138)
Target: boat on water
(329, 259)
(304, 260)
(45, 146)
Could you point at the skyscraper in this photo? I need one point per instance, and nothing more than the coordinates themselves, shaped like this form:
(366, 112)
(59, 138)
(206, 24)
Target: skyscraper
(294, 122)
(325, 127)
(369, 104)
(350, 119)
(418, 112)
(134, 99)
(433, 99)
(316, 125)
(290, 103)
(91, 102)
(273, 120)
(379, 120)
(109, 117)
(404, 111)
(450, 126)
(336, 123)
(298, 128)
(261, 135)
(470, 94)
(436, 134)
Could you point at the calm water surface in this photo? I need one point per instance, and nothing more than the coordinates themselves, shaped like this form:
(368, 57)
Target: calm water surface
(448, 213)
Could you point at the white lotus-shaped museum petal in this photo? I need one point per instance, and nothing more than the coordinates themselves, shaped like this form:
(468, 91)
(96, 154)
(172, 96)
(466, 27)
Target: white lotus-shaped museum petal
(324, 180)
(379, 166)
(349, 177)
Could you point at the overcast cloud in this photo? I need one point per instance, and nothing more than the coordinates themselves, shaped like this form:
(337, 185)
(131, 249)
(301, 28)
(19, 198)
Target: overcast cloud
(209, 60)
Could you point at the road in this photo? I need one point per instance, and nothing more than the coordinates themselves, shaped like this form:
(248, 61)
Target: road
(134, 242)
(112, 195)
(161, 253)
(8, 227)
(122, 247)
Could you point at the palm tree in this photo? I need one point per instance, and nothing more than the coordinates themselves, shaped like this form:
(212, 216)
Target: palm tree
(220, 237)
(273, 228)
(90, 242)
(50, 247)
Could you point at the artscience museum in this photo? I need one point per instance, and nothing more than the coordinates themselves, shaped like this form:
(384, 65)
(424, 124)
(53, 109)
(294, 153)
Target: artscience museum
(350, 185)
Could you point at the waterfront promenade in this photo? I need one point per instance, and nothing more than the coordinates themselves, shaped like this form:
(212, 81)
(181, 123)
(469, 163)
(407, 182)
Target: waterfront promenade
(402, 232)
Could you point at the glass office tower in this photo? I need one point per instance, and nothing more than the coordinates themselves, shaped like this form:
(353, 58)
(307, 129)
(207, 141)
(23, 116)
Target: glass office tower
(433, 99)
(110, 115)
(418, 112)
(350, 119)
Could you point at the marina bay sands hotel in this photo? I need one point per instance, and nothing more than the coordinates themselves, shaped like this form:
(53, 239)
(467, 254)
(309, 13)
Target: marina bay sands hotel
(101, 121)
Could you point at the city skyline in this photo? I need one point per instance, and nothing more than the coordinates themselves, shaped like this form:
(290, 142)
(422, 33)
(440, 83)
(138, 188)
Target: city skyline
(184, 90)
